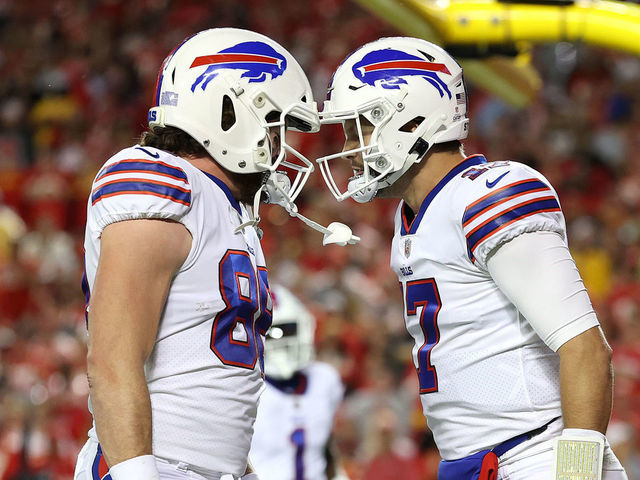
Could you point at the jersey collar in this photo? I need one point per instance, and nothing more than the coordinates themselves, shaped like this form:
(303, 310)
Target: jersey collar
(225, 189)
(296, 384)
(409, 228)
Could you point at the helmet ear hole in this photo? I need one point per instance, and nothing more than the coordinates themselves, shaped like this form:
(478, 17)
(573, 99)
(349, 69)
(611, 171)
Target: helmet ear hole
(411, 125)
(228, 113)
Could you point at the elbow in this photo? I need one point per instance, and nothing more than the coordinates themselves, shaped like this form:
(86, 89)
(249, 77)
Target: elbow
(106, 367)
(588, 348)
(99, 370)
(600, 352)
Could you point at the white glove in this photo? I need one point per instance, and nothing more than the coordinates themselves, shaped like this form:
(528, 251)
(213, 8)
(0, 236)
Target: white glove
(578, 455)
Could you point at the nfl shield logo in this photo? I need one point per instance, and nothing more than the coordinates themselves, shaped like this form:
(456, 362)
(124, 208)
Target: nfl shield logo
(407, 247)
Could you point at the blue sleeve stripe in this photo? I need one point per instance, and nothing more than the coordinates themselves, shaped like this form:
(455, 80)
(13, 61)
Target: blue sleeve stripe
(143, 166)
(503, 219)
(142, 187)
(503, 194)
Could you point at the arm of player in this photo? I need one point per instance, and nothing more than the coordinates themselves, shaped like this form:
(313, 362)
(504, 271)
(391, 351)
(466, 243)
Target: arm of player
(138, 260)
(537, 273)
(334, 470)
(586, 381)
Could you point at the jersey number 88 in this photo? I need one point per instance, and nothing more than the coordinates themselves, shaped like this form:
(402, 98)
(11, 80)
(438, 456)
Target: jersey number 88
(236, 333)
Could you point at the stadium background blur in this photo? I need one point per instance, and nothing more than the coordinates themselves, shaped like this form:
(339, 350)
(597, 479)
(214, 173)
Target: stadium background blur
(76, 79)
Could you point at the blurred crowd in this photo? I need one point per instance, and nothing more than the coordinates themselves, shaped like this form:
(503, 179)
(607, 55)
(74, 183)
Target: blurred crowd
(76, 79)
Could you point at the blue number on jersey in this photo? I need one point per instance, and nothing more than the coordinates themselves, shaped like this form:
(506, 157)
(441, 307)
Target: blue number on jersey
(424, 293)
(235, 338)
(297, 438)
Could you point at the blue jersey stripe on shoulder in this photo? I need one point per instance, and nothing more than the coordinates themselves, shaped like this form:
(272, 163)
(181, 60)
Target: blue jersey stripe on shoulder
(512, 190)
(145, 165)
(506, 218)
(145, 188)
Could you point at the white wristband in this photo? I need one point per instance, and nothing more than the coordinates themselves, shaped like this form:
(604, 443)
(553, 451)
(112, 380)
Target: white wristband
(136, 468)
(578, 454)
(250, 476)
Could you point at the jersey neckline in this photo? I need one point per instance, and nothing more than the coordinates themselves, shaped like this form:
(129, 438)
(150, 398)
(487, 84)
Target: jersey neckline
(297, 384)
(225, 189)
(410, 228)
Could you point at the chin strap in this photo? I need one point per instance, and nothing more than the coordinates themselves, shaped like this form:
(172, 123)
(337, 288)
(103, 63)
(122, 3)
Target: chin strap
(254, 216)
(275, 192)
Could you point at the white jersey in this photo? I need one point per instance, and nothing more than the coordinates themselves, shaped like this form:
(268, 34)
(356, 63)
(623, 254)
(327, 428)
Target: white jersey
(204, 373)
(294, 425)
(485, 375)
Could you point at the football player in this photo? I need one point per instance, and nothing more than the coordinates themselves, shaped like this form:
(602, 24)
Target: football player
(292, 437)
(514, 371)
(176, 284)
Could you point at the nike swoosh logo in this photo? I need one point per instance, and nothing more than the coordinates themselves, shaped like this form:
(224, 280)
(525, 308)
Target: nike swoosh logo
(154, 155)
(495, 182)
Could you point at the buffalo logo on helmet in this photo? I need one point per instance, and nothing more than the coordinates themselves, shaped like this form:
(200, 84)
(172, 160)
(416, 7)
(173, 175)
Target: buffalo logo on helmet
(388, 67)
(258, 60)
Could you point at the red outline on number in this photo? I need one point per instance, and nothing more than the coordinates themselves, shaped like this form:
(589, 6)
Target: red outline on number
(212, 343)
(248, 277)
(267, 311)
(430, 367)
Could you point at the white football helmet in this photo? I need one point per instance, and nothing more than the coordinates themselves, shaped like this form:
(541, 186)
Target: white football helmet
(395, 83)
(289, 342)
(256, 81)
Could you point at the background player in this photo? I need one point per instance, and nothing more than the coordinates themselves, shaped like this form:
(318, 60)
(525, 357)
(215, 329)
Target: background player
(292, 437)
(508, 350)
(178, 287)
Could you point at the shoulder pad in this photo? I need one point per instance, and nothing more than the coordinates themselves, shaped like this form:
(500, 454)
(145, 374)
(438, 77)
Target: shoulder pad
(504, 200)
(141, 182)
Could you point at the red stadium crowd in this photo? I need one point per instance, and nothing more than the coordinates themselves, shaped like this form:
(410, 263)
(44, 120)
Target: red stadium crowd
(76, 79)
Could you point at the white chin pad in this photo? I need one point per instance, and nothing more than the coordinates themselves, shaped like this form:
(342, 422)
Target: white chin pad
(365, 194)
(339, 234)
(277, 188)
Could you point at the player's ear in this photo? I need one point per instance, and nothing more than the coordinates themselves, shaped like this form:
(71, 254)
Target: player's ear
(228, 113)
(412, 124)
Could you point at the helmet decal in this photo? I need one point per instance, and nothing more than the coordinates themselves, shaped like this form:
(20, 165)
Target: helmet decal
(388, 66)
(160, 77)
(257, 59)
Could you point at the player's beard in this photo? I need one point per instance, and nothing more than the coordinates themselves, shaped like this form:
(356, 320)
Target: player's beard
(247, 184)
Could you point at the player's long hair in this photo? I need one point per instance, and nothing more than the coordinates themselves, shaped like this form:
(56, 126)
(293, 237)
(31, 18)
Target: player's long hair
(173, 140)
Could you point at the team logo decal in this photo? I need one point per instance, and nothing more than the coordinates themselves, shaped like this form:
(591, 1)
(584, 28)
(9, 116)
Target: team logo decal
(259, 61)
(388, 67)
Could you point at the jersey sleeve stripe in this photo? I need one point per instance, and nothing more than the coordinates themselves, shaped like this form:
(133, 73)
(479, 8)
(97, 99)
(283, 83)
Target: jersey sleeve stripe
(160, 174)
(503, 219)
(505, 193)
(137, 165)
(146, 187)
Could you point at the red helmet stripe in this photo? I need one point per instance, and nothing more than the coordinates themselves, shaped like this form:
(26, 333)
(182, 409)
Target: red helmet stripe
(411, 64)
(232, 57)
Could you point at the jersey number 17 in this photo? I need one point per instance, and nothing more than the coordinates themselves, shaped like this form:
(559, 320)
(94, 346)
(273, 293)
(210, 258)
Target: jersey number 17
(423, 301)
